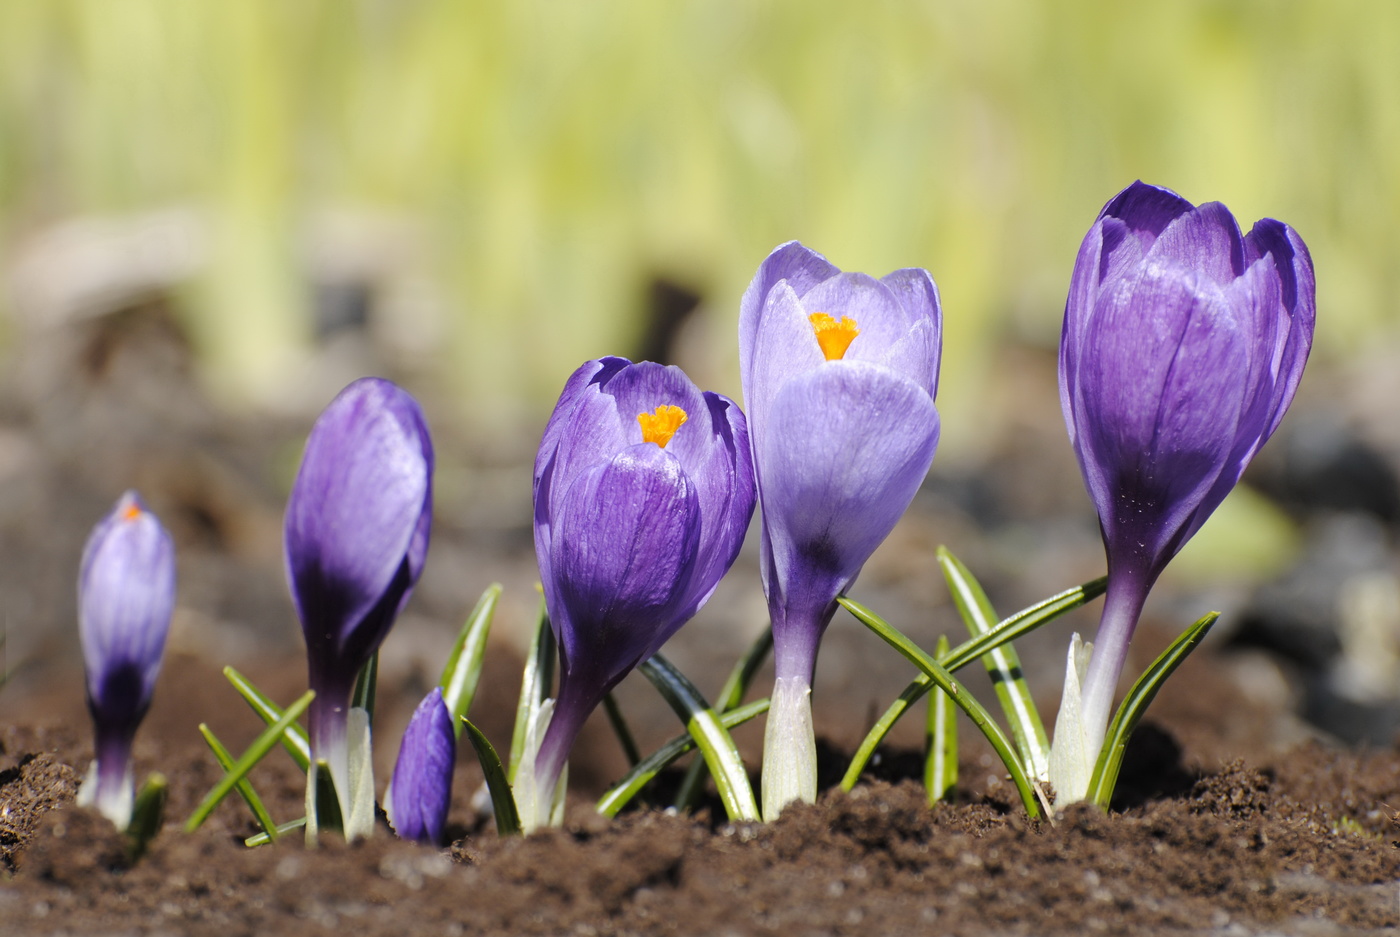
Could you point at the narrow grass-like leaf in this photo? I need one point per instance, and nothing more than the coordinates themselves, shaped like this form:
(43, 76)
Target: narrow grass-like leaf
(736, 686)
(965, 701)
(941, 741)
(1130, 712)
(366, 686)
(245, 788)
(1023, 622)
(535, 684)
(262, 839)
(620, 729)
(502, 800)
(294, 740)
(147, 814)
(255, 753)
(621, 793)
(329, 815)
(1003, 665)
(704, 725)
(462, 674)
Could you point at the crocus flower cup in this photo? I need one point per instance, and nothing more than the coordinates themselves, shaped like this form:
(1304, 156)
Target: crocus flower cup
(839, 373)
(643, 491)
(126, 595)
(356, 535)
(1183, 344)
(420, 789)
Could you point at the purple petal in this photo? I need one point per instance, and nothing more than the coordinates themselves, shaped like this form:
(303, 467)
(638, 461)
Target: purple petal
(849, 446)
(785, 347)
(801, 268)
(422, 780)
(1298, 295)
(126, 596)
(626, 538)
(1146, 210)
(1206, 241)
(357, 522)
(918, 294)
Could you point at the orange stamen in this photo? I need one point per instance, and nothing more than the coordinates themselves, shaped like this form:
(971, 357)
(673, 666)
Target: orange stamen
(834, 337)
(131, 513)
(660, 426)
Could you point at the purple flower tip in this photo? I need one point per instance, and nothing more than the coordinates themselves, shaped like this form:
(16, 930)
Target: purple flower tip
(421, 786)
(1183, 344)
(356, 535)
(643, 491)
(126, 595)
(839, 373)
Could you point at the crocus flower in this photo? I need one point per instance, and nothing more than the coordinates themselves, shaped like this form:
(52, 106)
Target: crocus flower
(126, 594)
(420, 789)
(1183, 345)
(356, 535)
(839, 373)
(643, 492)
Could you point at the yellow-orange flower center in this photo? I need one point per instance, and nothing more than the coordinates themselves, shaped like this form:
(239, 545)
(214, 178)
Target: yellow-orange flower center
(660, 426)
(131, 513)
(834, 337)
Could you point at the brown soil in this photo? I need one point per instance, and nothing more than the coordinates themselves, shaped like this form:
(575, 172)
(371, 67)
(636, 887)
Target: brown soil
(1300, 843)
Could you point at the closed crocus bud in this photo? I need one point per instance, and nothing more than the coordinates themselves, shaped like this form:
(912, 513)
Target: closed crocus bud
(356, 536)
(421, 787)
(839, 373)
(126, 595)
(1183, 345)
(643, 492)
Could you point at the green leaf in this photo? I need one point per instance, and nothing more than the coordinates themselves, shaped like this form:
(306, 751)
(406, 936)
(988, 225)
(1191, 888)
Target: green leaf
(709, 733)
(366, 685)
(463, 671)
(621, 793)
(965, 701)
(294, 740)
(147, 814)
(620, 729)
(1023, 622)
(329, 815)
(250, 797)
(255, 753)
(1134, 705)
(262, 839)
(730, 696)
(1003, 665)
(941, 741)
(502, 800)
(535, 684)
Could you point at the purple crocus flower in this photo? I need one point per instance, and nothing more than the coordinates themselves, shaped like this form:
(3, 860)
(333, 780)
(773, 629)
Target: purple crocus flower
(421, 787)
(126, 595)
(839, 373)
(1183, 345)
(643, 492)
(356, 535)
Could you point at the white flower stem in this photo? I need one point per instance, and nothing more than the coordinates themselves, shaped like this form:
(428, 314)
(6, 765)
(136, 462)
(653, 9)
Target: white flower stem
(789, 748)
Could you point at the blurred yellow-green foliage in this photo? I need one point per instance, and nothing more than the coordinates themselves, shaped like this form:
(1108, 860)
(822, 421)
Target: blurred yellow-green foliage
(557, 156)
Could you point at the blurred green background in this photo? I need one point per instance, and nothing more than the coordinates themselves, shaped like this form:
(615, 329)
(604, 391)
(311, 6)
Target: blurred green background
(511, 179)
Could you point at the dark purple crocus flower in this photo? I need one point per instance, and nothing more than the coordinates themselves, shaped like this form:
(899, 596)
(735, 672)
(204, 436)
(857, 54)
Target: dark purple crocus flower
(356, 535)
(421, 787)
(1183, 345)
(643, 492)
(839, 373)
(126, 595)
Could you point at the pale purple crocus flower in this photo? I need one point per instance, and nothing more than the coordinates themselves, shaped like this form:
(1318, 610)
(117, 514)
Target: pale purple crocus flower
(356, 535)
(839, 374)
(643, 491)
(420, 789)
(1182, 348)
(126, 595)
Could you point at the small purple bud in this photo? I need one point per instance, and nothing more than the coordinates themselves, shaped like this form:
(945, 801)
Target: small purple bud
(421, 786)
(839, 373)
(643, 492)
(126, 595)
(1183, 345)
(356, 535)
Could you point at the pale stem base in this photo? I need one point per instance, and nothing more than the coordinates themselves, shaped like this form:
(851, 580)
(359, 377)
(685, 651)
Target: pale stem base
(789, 748)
